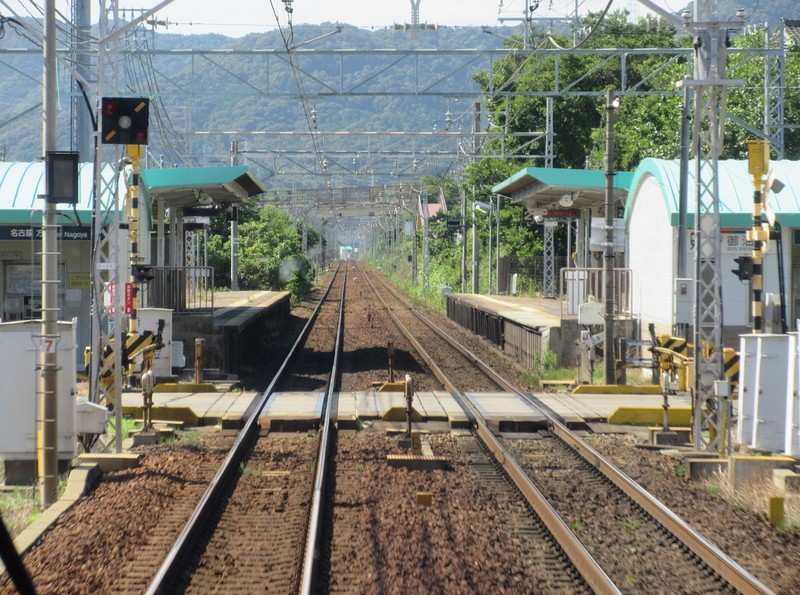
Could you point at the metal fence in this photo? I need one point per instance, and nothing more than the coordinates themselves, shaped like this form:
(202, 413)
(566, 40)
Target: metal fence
(489, 326)
(529, 270)
(181, 288)
(523, 343)
(578, 284)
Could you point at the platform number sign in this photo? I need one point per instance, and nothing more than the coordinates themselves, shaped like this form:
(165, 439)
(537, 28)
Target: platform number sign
(47, 344)
(124, 120)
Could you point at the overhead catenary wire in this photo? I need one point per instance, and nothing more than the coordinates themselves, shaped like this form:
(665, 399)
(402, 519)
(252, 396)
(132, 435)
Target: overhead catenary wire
(548, 40)
(309, 112)
(143, 74)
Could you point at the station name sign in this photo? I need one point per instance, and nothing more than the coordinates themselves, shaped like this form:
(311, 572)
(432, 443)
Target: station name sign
(561, 214)
(26, 232)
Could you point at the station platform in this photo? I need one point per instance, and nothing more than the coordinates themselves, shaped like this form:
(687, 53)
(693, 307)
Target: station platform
(234, 329)
(527, 327)
(523, 327)
(236, 307)
(528, 311)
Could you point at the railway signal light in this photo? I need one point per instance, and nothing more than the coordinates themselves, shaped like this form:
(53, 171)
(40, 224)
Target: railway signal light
(124, 120)
(143, 273)
(744, 268)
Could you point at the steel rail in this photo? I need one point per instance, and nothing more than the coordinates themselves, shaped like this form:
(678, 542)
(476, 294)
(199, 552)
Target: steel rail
(328, 430)
(167, 574)
(730, 570)
(575, 551)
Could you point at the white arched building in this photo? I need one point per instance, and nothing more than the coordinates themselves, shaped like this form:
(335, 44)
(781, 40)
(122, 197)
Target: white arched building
(652, 219)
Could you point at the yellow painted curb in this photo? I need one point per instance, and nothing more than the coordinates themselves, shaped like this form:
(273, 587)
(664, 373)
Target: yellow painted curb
(185, 387)
(399, 414)
(617, 389)
(761, 458)
(181, 414)
(650, 416)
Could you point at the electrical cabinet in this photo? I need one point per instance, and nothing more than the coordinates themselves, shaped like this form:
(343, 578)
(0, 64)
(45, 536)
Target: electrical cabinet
(148, 321)
(20, 345)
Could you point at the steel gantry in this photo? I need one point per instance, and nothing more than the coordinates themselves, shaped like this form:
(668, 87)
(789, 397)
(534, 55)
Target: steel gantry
(712, 400)
(775, 43)
(712, 408)
(549, 288)
(412, 75)
(110, 262)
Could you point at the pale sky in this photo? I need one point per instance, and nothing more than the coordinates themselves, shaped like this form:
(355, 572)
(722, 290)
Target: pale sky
(239, 17)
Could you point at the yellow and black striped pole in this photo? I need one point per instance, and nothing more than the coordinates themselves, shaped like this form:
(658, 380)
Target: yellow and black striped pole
(134, 153)
(758, 163)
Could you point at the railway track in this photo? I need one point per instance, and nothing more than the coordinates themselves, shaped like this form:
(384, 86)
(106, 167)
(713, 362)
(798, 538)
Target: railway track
(642, 545)
(271, 517)
(256, 524)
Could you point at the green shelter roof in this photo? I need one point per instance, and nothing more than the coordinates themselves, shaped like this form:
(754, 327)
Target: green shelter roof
(543, 187)
(735, 191)
(22, 183)
(186, 186)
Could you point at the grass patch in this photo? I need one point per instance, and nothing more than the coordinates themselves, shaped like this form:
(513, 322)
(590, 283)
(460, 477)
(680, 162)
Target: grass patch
(22, 506)
(129, 425)
(545, 367)
(755, 498)
(191, 440)
(630, 526)
(19, 509)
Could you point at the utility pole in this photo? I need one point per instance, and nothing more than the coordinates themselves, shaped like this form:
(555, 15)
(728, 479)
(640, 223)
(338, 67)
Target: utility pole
(425, 246)
(463, 241)
(608, 249)
(476, 255)
(683, 198)
(497, 251)
(234, 227)
(48, 361)
(81, 50)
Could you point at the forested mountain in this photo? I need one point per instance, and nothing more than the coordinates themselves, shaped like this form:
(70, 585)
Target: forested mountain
(229, 92)
(759, 12)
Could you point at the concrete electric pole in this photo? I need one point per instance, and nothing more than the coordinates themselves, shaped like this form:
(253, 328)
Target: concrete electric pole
(48, 361)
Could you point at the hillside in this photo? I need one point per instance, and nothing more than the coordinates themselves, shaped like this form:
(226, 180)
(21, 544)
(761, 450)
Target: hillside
(227, 92)
(237, 89)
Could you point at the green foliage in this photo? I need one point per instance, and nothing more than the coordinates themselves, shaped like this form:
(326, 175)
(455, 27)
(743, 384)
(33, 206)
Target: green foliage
(19, 508)
(22, 506)
(545, 367)
(578, 120)
(191, 440)
(270, 251)
(129, 425)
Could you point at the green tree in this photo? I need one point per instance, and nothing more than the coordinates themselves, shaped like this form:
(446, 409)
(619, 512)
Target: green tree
(270, 254)
(270, 251)
(576, 119)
